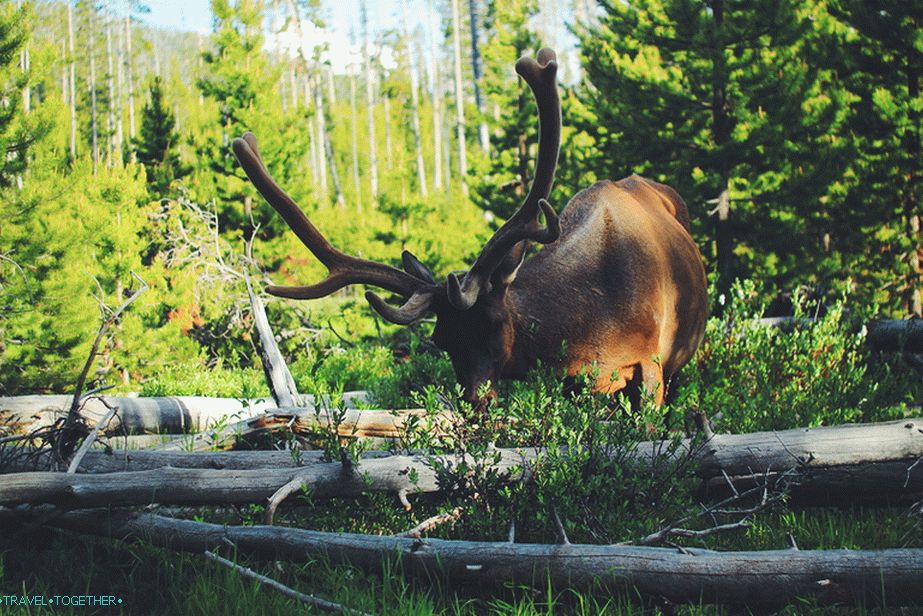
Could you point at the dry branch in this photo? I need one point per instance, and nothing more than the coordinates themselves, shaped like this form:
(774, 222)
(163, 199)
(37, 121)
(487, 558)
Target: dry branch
(874, 458)
(322, 604)
(759, 580)
(278, 376)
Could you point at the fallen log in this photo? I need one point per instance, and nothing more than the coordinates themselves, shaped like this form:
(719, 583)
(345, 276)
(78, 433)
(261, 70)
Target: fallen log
(166, 415)
(757, 580)
(875, 458)
(369, 424)
(126, 460)
(885, 334)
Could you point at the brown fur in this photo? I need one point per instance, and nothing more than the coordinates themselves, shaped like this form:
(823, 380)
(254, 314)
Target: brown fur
(623, 287)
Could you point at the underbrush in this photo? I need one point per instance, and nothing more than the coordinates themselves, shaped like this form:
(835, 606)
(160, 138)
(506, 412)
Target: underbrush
(587, 481)
(153, 581)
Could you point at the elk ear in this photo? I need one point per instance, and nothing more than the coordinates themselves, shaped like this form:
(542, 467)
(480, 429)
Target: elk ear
(414, 266)
(506, 272)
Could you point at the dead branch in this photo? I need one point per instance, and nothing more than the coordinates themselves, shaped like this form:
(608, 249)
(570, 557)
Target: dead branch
(322, 604)
(758, 580)
(91, 438)
(73, 428)
(278, 377)
(430, 523)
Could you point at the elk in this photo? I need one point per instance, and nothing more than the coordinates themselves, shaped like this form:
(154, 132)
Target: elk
(619, 281)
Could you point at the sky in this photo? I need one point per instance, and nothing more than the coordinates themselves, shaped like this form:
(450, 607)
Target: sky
(342, 18)
(342, 31)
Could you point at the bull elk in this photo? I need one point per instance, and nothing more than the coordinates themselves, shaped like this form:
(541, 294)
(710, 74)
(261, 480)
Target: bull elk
(619, 281)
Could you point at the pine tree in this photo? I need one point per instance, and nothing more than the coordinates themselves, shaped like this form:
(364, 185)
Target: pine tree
(14, 133)
(718, 99)
(877, 212)
(501, 181)
(155, 147)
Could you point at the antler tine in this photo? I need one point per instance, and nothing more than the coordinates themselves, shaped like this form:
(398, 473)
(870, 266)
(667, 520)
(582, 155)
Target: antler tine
(541, 76)
(344, 269)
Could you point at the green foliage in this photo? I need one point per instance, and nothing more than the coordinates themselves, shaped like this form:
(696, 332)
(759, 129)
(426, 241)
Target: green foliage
(156, 144)
(752, 377)
(718, 98)
(189, 378)
(502, 179)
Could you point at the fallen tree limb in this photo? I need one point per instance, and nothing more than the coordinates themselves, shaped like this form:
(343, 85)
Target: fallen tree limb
(876, 458)
(278, 376)
(758, 580)
(886, 334)
(166, 415)
(250, 574)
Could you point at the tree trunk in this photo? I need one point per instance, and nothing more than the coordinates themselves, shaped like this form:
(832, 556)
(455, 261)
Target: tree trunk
(328, 148)
(113, 151)
(167, 415)
(73, 79)
(94, 125)
(369, 103)
(759, 580)
(414, 102)
(437, 102)
(721, 133)
(389, 153)
(459, 99)
(483, 136)
(869, 459)
(278, 377)
(354, 122)
(130, 78)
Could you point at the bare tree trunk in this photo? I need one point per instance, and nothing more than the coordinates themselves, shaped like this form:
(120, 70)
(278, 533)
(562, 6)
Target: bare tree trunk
(389, 153)
(73, 79)
(114, 156)
(459, 99)
(130, 77)
(321, 135)
(483, 136)
(369, 102)
(437, 102)
(119, 91)
(331, 85)
(25, 65)
(328, 145)
(414, 103)
(354, 121)
(94, 126)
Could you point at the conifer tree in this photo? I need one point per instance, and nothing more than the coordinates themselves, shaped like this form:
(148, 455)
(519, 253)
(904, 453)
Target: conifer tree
(501, 181)
(156, 145)
(718, 99)
(877, 220)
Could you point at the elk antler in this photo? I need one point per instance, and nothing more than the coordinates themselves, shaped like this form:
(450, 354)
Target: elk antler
(523, 225)
(344, 269)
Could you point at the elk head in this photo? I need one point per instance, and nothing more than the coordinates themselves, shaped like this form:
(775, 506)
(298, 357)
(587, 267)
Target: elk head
(474, 322)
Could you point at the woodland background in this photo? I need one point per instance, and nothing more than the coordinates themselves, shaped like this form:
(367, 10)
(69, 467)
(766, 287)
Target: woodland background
(792, 129)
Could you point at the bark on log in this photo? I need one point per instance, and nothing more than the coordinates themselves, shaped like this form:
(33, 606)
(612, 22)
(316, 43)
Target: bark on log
(885, 334)
(167, 415)
(857, 454)
(125, 460)
(758, 580)
(371, 424)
